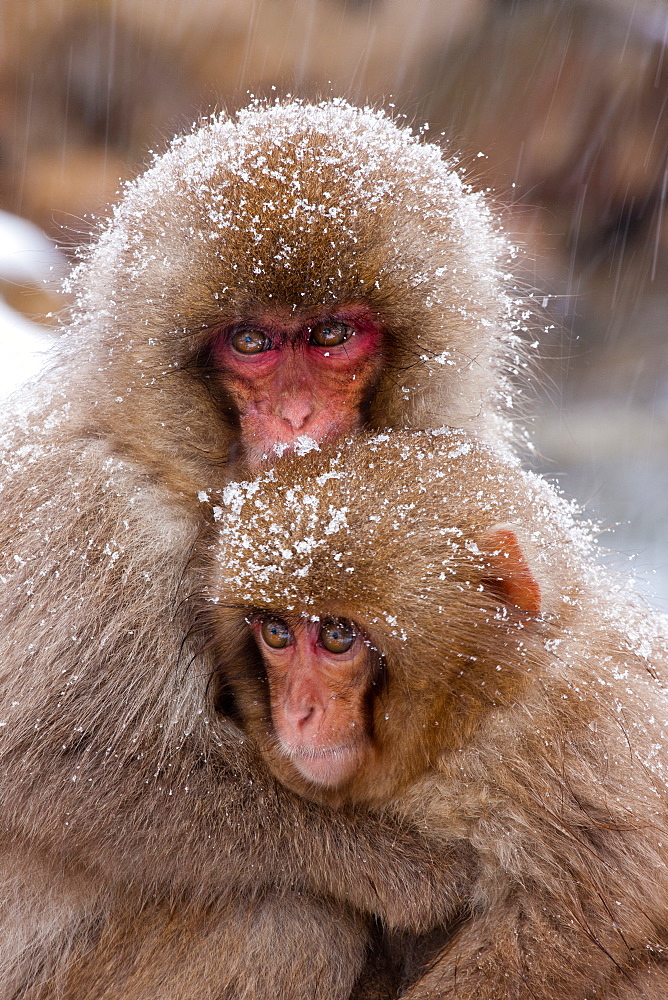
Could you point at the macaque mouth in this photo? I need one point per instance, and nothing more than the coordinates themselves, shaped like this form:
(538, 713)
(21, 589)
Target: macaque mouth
(325, 765)
(267, 438)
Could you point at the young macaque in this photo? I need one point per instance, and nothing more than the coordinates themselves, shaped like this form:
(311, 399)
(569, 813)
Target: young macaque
(409, 622)
(297, 272)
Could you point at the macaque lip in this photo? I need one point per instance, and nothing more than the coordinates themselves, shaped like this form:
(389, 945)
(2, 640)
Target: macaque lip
(326, 766)
(266, 437)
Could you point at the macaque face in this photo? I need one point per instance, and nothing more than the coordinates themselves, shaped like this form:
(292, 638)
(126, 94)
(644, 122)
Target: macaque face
(319, 674)
(292, 377)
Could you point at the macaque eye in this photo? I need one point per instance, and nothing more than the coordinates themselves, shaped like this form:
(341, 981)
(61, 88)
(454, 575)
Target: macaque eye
(330, 334)
(276, 633)
(250, 342)
(337, 637)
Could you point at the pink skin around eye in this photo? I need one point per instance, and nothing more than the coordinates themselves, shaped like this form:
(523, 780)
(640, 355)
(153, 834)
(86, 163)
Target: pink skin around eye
(317, 705)
(297, 389)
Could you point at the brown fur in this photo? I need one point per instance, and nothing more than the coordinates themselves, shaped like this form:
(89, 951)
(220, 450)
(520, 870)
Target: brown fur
(139, 825)
(538, 742)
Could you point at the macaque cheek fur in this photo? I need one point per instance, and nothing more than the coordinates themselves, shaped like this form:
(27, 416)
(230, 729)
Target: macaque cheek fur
(520, 712)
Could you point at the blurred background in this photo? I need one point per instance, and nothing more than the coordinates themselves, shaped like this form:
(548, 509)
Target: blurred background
(558, 107)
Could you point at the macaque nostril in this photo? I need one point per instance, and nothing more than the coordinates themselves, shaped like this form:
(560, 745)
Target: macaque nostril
(304, 718)
(296, 412)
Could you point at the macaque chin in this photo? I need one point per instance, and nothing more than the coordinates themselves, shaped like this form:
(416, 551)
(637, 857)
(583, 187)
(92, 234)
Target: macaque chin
(299, 377)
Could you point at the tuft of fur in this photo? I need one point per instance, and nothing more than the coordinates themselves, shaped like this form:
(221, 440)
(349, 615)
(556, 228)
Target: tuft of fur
(538, 743)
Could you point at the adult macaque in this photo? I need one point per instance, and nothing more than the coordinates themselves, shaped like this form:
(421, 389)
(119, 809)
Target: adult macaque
(410, 623)
(295, 273)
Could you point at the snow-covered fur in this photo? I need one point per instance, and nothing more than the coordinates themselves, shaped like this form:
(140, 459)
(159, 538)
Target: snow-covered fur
(538, 741)
(301, 206)
(130, 805)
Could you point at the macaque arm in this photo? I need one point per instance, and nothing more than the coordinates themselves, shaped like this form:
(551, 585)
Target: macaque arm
(253, 834)
(526, 949)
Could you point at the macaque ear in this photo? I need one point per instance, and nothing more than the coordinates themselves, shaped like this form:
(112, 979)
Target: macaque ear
(509, 570)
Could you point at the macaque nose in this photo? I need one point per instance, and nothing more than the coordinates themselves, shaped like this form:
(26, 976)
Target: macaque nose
(303, 717)
(296, 411)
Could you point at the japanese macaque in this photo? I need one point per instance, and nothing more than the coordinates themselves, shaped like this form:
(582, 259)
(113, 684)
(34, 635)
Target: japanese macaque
(408, 622)
(295, 273)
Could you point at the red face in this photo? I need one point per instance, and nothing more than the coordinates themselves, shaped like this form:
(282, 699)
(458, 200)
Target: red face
(319, 677)
(292, 377)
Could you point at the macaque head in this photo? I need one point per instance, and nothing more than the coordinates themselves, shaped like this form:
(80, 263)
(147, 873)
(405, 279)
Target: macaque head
(290, 275)
(372, 605)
